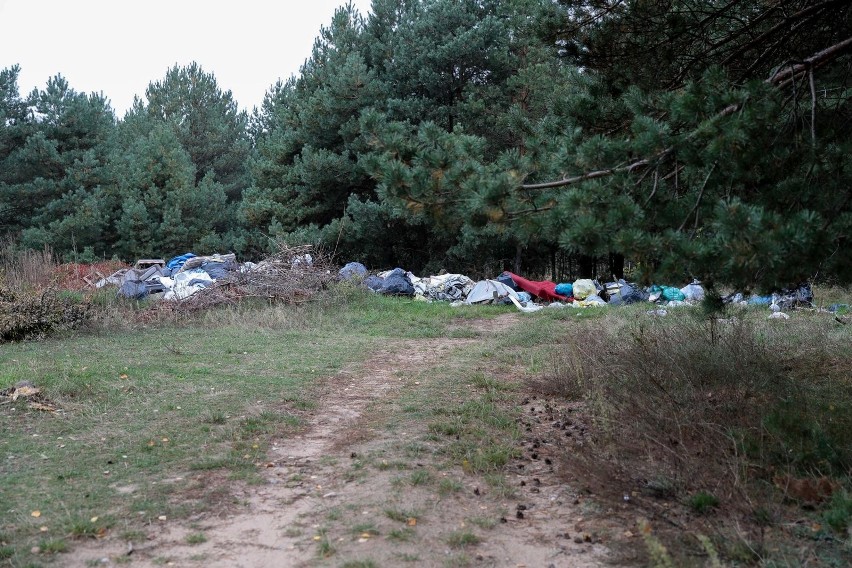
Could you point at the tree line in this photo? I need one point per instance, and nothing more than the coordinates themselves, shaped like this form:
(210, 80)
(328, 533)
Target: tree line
(694, 138)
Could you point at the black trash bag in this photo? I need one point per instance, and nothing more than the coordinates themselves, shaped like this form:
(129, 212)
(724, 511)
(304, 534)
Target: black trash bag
(397, 284)
(218, 270)
(506, 280)
(796, 297)
(353, 271)
(374, 283)
(133, 290)
(627, 294)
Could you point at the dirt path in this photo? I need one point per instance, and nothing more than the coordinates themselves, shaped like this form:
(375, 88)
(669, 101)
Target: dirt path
(352, 489)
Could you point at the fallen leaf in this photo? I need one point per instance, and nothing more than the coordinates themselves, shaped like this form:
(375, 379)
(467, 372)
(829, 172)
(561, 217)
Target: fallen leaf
(93, 520)
(36, 514)
(412, 522)
(25, 392)
(43, 529)
(165, 440)
(317, 537)
(366, 535)
(123, 376)
(162, 517)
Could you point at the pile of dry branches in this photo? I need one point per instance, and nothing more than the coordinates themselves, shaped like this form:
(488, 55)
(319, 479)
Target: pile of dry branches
(291, 275)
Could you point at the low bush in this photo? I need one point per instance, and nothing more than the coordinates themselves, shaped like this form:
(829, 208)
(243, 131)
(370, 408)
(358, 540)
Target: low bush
(36, 315)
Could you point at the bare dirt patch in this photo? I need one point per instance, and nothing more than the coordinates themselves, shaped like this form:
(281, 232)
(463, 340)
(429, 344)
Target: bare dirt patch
(354, 488)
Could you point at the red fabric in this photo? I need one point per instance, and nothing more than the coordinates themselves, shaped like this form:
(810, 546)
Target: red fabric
(543, 289)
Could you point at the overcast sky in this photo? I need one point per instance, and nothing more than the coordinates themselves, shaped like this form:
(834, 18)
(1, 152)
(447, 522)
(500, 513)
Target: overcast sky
(117, 46)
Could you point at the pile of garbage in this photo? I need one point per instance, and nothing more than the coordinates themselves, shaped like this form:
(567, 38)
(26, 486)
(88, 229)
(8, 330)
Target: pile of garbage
(295, 274)
(533, 295)
(290, 275)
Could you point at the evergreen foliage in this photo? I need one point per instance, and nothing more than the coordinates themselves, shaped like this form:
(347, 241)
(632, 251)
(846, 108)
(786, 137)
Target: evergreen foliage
(706, 139)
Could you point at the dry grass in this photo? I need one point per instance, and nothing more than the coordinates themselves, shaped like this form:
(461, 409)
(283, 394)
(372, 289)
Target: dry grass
(741, 410)
(27, 270)
(719, 399)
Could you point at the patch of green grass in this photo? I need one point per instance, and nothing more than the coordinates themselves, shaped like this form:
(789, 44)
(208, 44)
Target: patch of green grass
(446, 428)
(79, 528)
(385, 465)
(403, 534)
(400, 516)
(482, 381)
(359, 564)
(365, 528)
(461, 539)
(483, 522)
(838, 514)
(447, 486)
(702, 502)
(499, 485)
(325, 548)
(420, 477)
(53, 546)
(145, 412)
(215, 417)
(6, 552)
(196, 538)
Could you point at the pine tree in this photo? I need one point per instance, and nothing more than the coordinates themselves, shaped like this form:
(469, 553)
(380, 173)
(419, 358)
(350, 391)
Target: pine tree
(207, 122)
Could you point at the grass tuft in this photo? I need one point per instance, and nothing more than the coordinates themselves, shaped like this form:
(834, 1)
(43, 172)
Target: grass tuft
(462, 539)
(196, 538)
(702, 502)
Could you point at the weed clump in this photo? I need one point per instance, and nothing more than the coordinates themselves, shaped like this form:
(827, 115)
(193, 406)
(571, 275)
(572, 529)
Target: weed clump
(702, 502)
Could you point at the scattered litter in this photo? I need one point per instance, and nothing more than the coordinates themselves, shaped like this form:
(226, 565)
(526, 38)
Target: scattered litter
(26, 391)
(584, 288)
(565, 289)
(542, 289)
(839, 308)
(779, 315)
(491, 292)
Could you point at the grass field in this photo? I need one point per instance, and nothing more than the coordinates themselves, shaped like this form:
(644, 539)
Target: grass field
(142, 408)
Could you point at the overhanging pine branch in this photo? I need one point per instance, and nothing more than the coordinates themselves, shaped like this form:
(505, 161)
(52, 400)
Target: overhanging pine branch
(779, 79)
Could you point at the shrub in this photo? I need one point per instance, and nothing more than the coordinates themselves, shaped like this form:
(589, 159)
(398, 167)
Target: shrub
(34, 316)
